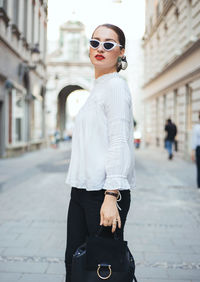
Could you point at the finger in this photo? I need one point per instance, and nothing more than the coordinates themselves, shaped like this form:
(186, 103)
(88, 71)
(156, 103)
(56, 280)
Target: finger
(104, 222)
(119, 222)
(101, 219)
(114, 226)
(108, 222)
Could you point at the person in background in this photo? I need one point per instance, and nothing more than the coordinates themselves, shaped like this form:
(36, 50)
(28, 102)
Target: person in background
(171, 130)
(196, 148)
(57, 137)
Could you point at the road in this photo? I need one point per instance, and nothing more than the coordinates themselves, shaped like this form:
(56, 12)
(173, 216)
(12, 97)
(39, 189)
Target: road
(163, 224)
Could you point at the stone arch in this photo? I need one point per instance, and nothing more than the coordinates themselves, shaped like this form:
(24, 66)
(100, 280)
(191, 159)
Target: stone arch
(61, 106)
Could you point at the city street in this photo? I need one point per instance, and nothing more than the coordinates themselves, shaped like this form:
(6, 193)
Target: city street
(162, 229)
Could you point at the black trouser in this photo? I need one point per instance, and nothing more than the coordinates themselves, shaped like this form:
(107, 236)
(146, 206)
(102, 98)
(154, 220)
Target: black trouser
(84, 219)
(198, 165)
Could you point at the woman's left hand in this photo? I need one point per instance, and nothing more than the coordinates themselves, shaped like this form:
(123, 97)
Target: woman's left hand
(109, 213)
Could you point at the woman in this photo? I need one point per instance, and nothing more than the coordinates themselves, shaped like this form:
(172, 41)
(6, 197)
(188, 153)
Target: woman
(101, 170)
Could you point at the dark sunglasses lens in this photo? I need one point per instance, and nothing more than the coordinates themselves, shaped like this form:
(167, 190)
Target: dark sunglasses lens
(94, 43)
(108, 45)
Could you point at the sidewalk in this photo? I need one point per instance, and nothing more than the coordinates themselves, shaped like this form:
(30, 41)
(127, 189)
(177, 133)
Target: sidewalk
(163, 224)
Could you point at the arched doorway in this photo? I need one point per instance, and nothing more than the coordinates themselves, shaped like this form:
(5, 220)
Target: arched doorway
(61, 107)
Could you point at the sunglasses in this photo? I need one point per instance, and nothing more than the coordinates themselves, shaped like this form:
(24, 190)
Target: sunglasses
(108, 45)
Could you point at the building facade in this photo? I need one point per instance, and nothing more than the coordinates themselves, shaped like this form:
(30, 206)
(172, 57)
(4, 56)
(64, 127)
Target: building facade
(69, 69)
(23, 32)
(171, 87)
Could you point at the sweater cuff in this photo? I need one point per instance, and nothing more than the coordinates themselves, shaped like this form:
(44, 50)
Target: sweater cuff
(115, 182)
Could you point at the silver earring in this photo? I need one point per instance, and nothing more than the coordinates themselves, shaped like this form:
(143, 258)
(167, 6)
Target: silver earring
(124, 62)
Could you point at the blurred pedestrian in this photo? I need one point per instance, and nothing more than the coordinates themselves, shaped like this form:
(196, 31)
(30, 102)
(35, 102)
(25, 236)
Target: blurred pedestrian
(57, 137)
(101, 169)
(196, 148)
(171, 131)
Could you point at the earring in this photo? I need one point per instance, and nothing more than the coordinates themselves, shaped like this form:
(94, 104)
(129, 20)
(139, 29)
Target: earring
(124, 62)
(119, 62)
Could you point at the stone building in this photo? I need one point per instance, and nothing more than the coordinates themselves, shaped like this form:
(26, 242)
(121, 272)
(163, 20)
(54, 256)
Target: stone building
(68, 69)
(171, 86)
(23, 31)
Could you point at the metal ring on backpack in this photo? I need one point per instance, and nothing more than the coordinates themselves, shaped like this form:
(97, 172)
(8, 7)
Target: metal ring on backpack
(98, 272)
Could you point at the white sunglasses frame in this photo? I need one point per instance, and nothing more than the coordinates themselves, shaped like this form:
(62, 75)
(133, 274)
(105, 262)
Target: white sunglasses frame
(102, 43)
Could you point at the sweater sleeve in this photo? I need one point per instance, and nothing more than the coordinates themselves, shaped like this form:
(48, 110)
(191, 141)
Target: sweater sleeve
(118, 113)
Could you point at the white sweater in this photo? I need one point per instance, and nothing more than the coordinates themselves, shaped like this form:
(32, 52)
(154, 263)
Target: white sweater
(102, 143)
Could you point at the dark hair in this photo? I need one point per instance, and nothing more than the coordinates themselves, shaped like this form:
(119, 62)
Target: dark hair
(169, 120)
(121, 37)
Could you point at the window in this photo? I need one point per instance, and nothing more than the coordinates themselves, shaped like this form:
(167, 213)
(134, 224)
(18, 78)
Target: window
(10, 117)
(33, 23)
(44, 41)
(25, 19)
(16, 12)
(176, 106)
(39, 30)
(188, 116)
(18, 128)
(18, 116)
(189, 20)
(16, 107)
(3, 4)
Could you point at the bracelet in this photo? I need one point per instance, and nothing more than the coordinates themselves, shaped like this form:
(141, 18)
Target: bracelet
(112, 194)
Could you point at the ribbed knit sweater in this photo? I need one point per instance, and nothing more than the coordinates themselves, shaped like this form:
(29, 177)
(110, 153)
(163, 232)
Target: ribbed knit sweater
(102, 142)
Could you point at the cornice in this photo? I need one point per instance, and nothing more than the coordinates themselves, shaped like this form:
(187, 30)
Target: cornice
(176, 61)
(178, 83)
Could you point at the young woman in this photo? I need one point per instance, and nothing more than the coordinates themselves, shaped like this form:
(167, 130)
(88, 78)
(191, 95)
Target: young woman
(101, 170)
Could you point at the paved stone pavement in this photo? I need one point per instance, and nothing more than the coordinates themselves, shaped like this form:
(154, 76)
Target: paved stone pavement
(163, 226)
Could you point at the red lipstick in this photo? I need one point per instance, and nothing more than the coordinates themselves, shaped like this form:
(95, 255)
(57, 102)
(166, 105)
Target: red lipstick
(99, 57)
